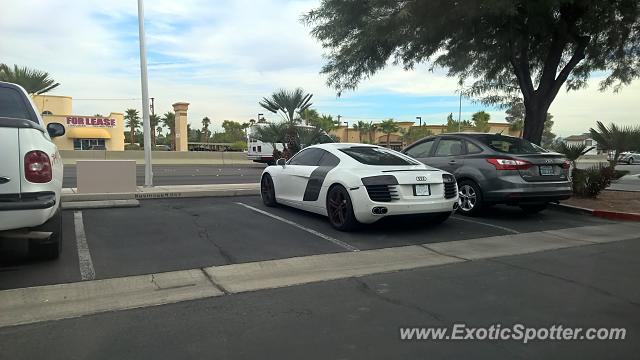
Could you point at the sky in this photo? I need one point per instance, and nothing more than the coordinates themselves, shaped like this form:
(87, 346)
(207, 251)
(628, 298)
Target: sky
(222, 57)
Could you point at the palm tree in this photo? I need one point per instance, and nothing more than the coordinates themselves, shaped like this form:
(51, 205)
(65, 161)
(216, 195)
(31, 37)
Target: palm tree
(154, 120)
(205, 128)
(32, 80)
(389, 127)
(311, 136)
(572, 152)
(272, 134)
(169, 120)
(287, 104)
(360, 127)
(616, 138)
(372, 132)
(132, 118)
(517, 125)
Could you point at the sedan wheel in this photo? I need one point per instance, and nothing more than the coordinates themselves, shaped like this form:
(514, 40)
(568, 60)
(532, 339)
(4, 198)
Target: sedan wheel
(267, 190)
(340, 209)
(630, 161)
(470, 198)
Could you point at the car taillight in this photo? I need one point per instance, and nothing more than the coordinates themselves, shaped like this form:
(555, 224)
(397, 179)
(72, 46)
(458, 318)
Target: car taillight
(509, 164)
(37, 167)
(566, 165)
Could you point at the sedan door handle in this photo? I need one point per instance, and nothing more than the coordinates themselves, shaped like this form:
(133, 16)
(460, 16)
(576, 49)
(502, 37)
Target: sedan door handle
(452, 161)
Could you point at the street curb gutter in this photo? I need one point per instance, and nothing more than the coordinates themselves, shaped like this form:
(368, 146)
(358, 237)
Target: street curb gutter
(611, 215)
(159, 195)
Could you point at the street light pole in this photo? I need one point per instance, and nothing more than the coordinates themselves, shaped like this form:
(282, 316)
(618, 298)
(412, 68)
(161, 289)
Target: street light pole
(420, 119)
(259, 114)
(146, 124)
(460, 113)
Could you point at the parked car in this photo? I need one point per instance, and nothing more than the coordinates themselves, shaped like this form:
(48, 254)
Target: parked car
(627, 157)
(496, 169)
(30, 175)
(355, 183)
(163, 148)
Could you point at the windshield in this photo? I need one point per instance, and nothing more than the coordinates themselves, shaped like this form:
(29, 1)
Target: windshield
(510, 145)
(376, 156)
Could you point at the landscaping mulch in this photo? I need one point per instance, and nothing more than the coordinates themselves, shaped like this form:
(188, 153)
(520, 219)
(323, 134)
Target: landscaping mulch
(619, 201)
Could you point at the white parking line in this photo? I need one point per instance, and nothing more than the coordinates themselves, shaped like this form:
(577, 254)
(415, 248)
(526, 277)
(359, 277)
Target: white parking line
(84, 256)
(487, 224)
(316, 233)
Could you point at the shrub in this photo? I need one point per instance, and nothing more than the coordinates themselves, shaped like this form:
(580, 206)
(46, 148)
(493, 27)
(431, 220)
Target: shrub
(132, 147)
(590, 182)
(239, 146)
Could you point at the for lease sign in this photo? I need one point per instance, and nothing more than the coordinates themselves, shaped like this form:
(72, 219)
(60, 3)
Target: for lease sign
(90, 121)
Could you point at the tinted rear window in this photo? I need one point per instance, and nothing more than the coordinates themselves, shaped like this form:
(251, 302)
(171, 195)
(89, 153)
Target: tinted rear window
(510, 145)
(12, 105)
(376, 156)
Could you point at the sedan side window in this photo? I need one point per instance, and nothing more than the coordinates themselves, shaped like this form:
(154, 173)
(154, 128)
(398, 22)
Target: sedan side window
(473, 148)
(307, 157)
(421, 150)
(449, 147)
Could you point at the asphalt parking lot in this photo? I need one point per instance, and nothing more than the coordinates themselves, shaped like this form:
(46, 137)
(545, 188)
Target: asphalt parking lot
(177, 234)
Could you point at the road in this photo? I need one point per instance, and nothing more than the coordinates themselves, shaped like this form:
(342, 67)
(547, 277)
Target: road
(187, 174)
(352, 318)
(234, 174)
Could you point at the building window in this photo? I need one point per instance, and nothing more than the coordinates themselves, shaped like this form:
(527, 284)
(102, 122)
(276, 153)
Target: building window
(47, 112)
(89, 144)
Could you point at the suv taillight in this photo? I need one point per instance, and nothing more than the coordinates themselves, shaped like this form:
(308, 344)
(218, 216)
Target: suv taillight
(37, 167)
(509, 164)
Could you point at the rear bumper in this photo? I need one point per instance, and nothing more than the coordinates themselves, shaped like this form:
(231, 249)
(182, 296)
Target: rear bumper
(30, 210)
(515, 190)
(363, 206)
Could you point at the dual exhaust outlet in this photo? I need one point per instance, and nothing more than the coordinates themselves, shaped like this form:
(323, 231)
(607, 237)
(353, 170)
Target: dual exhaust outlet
(379, 210)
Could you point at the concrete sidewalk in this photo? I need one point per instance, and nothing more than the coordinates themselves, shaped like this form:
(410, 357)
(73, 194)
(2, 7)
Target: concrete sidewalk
(167, 191)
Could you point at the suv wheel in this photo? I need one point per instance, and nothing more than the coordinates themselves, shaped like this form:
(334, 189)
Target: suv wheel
(630, 161)
(51, 248)
(470, 202)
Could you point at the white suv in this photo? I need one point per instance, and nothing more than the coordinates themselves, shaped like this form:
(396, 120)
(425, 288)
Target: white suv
(30, 175)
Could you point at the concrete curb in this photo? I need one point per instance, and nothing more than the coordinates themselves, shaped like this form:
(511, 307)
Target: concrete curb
(101, 204)
(196, 193)
(611, 215)
(168, 192)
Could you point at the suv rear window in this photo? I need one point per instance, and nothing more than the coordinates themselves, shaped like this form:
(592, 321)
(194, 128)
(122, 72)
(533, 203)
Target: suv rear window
(376, 156)
(12, 105)
(510, 145)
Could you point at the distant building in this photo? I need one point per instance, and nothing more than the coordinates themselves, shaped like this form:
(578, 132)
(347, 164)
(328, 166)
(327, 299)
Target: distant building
(396, 140)
(82, 132)
(583, 139)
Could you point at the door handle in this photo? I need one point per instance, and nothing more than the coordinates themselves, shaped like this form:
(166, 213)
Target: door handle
(452, 161)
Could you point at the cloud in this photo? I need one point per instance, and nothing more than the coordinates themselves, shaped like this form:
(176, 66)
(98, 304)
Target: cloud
(223, 56)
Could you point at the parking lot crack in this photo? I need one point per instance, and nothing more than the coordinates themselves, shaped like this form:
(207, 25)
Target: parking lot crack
(367, 290)
(574, 282)
(203, 233)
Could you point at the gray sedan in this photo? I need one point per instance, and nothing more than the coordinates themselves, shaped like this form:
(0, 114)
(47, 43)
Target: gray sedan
(496, 169)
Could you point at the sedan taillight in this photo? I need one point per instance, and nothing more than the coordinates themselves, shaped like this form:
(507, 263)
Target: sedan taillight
(566, 165)
(509, 164)
(37, 167)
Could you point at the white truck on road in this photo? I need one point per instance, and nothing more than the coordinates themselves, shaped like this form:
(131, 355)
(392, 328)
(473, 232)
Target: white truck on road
(30, 175)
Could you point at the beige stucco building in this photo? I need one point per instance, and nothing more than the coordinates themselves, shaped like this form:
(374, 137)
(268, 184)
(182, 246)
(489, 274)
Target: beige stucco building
(396, 140)
(82, 132)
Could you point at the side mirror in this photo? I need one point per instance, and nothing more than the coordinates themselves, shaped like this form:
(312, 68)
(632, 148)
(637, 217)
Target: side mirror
(282, 162)
(55, 129)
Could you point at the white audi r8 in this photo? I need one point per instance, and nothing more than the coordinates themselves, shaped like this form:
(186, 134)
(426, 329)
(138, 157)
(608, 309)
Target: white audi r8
(357, 183)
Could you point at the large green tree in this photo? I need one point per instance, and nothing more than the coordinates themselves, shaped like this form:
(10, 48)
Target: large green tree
(32, 80)
(206, 134)
(505, 48)
(515, 115)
